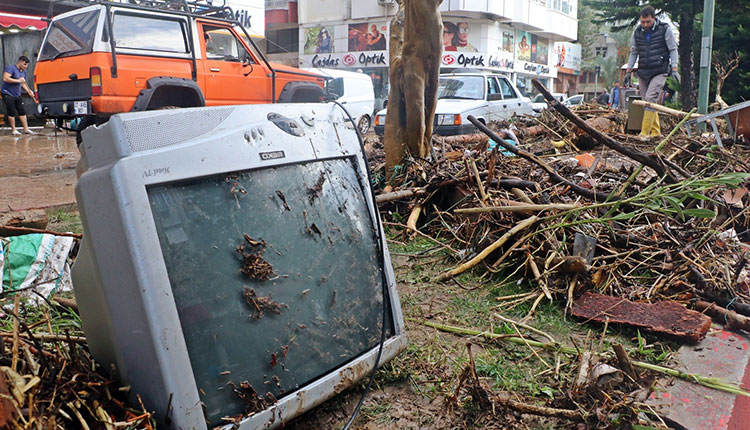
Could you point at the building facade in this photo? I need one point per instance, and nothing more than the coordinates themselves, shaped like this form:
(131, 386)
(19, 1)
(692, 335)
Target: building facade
(516, 38)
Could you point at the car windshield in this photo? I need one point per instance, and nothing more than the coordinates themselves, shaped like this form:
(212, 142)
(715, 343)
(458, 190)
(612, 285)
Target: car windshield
(72, 35)
(461, 87)
(538, 99)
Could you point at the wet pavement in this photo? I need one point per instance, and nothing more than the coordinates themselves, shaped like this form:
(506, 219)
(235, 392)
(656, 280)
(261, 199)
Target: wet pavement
(37, 171)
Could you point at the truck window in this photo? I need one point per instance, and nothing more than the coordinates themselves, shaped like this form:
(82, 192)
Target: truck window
(223, 45)
(72, 35)
(150, 34)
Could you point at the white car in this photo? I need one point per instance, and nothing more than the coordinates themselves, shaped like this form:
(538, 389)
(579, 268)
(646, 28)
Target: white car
(538, 103)
(487, 96)
(573, 100)
(354, 91)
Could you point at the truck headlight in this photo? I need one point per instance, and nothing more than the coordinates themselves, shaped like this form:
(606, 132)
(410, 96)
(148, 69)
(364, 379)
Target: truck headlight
(380, 120)
(448, 119)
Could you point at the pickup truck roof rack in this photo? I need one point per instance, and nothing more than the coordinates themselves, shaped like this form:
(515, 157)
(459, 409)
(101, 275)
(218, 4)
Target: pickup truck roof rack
(203, 8)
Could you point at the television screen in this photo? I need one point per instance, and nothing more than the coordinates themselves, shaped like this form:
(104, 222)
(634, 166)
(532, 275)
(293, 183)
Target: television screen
(276, 278)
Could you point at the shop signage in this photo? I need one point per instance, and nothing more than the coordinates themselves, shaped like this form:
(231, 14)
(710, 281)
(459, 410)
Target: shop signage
(346, 59)
(483, 61)
(536, 68)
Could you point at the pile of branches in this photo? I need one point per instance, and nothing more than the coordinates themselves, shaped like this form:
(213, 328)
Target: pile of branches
(644, 220)
(48, 380)
(667, 222)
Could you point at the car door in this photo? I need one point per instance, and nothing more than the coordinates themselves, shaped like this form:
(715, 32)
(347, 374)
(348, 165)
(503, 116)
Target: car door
(233, 74)
(494, 100)
(511, 99)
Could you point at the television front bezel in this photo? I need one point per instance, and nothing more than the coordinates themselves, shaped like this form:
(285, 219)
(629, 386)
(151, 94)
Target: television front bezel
(235, 144)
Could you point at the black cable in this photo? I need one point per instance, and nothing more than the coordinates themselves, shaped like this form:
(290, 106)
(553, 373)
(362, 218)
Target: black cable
(381, 260)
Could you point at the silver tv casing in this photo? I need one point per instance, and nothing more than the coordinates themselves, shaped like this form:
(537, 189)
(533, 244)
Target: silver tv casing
(120, 278)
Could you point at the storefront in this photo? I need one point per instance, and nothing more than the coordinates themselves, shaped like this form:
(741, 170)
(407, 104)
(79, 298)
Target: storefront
(357, 46)
(568, 66)
(532, 62)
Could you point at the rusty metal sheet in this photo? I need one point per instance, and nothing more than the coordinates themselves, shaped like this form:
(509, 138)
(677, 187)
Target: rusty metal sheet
(665, 317)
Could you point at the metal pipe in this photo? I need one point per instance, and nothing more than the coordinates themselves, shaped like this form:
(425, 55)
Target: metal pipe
(113, 70)
(704, 80)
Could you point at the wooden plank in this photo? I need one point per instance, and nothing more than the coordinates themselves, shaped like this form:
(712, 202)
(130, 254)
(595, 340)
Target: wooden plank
(665, 317)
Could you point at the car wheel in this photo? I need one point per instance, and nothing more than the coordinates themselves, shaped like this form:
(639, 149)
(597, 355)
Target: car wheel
(364, 124)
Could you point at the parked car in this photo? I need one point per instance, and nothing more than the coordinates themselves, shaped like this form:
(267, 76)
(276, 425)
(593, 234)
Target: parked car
(108, 58)
(538, 103)
(354, 91)
(573, 100)
(487, 96)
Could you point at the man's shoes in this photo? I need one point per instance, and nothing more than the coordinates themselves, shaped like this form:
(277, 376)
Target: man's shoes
(16, 133)
(28, 131)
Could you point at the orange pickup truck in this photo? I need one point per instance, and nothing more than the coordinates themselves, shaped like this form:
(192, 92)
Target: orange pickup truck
(107, 58)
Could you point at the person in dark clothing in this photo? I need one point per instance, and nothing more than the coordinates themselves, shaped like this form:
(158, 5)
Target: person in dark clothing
(654, 46)
(603, 98)
(14, 79)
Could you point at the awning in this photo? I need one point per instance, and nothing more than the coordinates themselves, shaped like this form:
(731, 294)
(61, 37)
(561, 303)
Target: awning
(23, 22)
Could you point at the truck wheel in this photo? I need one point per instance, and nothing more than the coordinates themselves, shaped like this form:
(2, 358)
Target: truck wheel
(364, 124)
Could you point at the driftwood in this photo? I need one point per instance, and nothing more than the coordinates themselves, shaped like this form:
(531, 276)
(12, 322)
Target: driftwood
(731, 319)
(650, 160)
(664, 109)
(15, 231)
(518, 208)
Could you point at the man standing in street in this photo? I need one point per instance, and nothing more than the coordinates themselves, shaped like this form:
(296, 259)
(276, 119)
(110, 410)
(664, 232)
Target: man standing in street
(614, 96)
(654, 46)
(14, 78)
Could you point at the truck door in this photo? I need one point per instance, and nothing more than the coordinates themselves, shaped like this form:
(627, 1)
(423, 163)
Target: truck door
(233, 75)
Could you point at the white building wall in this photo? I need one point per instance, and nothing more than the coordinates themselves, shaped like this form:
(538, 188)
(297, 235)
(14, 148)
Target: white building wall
(252, 12)
(323, 11)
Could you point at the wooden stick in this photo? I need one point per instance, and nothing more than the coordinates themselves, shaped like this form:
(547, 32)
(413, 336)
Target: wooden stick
(648, 159)
(664, 109)
(731, 319)
(526, 326)
(411, 223)
(29, 230)
(521, 195)
(624, 361)
(518, 208)
(45, 337)
(482, 194)
(487, 251)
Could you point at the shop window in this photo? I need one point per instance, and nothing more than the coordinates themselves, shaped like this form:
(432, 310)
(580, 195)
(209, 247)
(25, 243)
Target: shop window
(282, 41)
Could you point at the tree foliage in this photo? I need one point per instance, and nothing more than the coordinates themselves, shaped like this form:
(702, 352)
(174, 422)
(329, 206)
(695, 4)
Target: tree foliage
(732, 33)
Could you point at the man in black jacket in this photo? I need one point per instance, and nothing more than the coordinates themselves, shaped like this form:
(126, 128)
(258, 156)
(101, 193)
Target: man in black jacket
(654, 46)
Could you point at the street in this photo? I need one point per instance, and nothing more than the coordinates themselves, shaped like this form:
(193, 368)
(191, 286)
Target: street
(37, 171)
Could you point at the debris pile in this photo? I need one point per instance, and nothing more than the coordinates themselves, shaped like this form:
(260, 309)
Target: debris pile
(611, 227)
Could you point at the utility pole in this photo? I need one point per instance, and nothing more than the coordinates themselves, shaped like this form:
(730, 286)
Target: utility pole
(706, 47)
(597, 69)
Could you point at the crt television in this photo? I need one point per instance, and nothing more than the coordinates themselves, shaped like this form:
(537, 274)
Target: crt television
(231, 271)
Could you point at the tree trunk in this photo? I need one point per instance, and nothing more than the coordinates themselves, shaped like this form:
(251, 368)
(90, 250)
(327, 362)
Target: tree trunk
(685, 49)
(414, 79)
